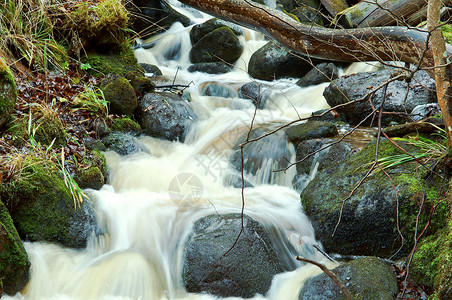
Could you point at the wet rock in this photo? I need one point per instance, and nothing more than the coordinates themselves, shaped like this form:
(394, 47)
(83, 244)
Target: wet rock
(165, 115)
(200, 30)
(246, 270)
(152, 69)
(8, 94)
(324, 72)
(121, 96)
(365, 278)
(125, 125)
(218, 90)
(273, 61)
(310, 130)
(14, 263)
(256, 92)
(43, 208)
(368, 222)
(211, 68)
(94, 175)
(219, 45)
(123, 143)
(426, 110)
(353, 87)
(153, 12)
(332, 117)
(324, 158)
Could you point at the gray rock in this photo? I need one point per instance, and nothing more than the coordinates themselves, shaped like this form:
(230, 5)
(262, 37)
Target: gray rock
(310, 130)
(246, 270)
(123, 143)
(256, 92)
(365, 278)
(426, 110)
(219, 45)
(153, 69)
(323, 72)
(273, 61)
(332, 117)
(165, 115)
(218, 90)
(200, 30)
(210, 68)
(353, 87)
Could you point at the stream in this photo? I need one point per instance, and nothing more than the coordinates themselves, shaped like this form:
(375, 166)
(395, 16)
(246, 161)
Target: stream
(152, 199)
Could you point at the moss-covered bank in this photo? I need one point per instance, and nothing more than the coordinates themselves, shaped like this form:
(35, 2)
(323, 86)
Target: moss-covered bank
(8, 94)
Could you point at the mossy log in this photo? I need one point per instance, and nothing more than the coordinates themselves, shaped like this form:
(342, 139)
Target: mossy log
(360, 44)
(384, 13)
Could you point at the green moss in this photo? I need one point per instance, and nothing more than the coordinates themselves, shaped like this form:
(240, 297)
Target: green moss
(125, 125)
(432, 263)
(47, 129)
(121, 62)
(447, 32)
(102, 24)
(14, 263)
(8, 92)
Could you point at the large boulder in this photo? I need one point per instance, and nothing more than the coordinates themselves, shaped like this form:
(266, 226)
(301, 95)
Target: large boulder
(14, 264)
(365, 278)
(273, 61)
(356, 86)
(367, 222)
(8, 93)
(165, 115)
(43, 208)
(219, 45)
(247, 269)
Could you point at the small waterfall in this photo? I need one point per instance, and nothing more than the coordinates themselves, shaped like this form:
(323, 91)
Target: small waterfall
(153, 198)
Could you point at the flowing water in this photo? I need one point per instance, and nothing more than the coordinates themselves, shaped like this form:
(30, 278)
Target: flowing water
(152, 199)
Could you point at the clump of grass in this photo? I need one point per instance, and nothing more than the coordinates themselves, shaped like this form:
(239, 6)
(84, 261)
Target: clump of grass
(27, 35)
(92, 100)
(428, 150)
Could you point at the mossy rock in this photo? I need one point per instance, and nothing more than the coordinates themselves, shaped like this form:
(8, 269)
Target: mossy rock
(46, 130)
(43, 208)
(220, 44)
(94, 175)
(432, 263)
(121, 96)
(101, 25)
(365, 278)
(120, 60)
(140, 83)
(368, 219)
(200, 30)
(8, 93)
(14, 263)
(125, 125)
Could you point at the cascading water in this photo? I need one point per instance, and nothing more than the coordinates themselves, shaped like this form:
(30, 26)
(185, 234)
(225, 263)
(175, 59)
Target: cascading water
(146, 212)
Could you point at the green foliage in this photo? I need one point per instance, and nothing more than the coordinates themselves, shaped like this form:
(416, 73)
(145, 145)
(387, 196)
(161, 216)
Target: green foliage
(92, 99)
